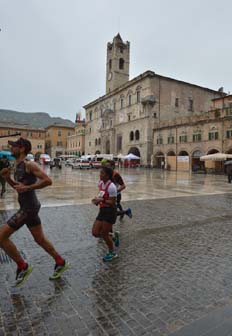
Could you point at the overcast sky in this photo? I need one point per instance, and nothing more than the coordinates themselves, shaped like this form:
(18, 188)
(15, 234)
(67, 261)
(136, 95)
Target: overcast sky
(53, 52)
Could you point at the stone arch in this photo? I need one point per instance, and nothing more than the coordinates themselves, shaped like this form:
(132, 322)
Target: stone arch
(183, 153)
(212, 151)
(159, 160)
(195, 158)
(135, 151)
(97, 152)
(171, 153)
(229, 151)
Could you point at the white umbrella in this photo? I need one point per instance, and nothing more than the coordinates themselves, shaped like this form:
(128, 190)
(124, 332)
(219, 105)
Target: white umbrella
(132, 157)
(120, 156)
(216, 157)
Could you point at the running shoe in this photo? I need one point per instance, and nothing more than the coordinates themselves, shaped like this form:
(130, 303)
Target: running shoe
(116, 239)
(129, 212)
(58, 270)
(110, 256)
(22, 275)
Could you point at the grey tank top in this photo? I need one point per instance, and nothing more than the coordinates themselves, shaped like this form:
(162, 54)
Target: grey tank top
(27, 200)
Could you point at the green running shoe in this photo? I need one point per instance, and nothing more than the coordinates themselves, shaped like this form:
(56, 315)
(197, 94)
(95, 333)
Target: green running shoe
(58, 270)
(110, 256)
(22, 275)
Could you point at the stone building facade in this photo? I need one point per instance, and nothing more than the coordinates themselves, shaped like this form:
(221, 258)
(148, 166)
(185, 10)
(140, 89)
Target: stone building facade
(126, 119)
(76, 141)
(56, 139)
(181, 142)
(35, 135)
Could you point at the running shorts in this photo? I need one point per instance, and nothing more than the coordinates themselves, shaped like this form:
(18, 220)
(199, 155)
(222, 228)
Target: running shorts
(21, 217)
(107, 214)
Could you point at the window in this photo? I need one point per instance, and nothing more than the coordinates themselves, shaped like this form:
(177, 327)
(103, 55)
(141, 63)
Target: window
(131, 136)
(121, 50)
(183, 138)
(59, 143)
(129, 100)
(111, 123)
(90, 115)
(89, 143)
(129, 117)
(121, 103)
(99, 141)
(59, 132)
(177, 102)
(159, 140)
(121, 63)
(95, 142)
(213, 135)
(90, 130)
(29, 134)
(196, 137)
(170, 139)
(138, 97)
(190, 107)
(114, 106)
(137, 135)
(119, 142)
(110, 64)
(229, 134)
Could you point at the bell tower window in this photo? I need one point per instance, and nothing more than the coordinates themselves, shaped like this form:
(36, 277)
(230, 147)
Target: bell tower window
(121, 63)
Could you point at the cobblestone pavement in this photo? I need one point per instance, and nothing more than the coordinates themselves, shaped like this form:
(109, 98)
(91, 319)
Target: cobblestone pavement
(174, 270)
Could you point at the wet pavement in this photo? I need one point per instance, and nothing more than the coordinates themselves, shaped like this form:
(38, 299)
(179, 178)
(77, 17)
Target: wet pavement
(174, 271)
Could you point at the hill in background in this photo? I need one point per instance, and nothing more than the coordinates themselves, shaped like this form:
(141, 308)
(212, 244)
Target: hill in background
(35, 119)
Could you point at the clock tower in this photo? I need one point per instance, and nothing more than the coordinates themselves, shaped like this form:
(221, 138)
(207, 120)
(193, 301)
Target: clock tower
(117, 63)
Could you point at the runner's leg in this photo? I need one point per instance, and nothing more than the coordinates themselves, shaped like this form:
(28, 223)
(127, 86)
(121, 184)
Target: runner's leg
(7, 245)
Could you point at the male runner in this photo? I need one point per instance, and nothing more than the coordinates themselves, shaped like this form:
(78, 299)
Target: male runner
(25, 182)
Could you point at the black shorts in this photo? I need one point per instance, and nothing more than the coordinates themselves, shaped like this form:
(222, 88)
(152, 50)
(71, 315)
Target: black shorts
(107, 214)
(21, 217)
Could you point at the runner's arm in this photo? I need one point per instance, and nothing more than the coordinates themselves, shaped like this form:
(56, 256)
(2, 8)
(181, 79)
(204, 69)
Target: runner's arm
(5, 173)
(43, 181)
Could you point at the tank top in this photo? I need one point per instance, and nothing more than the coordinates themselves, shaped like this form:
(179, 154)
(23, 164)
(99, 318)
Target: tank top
(103, 192)
(27, 200)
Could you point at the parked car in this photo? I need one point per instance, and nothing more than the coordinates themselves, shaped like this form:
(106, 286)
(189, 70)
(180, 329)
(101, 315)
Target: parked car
(82, 164)
(70, 162)
(56, 162)
(44, 159)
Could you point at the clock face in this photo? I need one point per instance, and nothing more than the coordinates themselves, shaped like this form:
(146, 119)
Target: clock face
(110, 76)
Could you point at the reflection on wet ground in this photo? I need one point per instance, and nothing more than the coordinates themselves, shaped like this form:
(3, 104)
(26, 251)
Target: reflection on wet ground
(174, 265)
(79, 186)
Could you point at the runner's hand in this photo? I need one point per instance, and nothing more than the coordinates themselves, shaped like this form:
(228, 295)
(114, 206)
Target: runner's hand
(5, 172)
(21, 188)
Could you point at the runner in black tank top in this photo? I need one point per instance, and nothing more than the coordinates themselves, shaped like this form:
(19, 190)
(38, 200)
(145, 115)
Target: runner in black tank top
(28, 177)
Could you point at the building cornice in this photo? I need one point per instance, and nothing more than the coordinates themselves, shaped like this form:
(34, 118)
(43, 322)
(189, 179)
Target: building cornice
(144, 75)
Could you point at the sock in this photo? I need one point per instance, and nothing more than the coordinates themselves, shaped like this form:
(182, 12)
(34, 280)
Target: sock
(22, 264)
(59, 260)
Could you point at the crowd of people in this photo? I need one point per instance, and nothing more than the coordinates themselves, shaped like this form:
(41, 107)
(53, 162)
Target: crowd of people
(28, 177)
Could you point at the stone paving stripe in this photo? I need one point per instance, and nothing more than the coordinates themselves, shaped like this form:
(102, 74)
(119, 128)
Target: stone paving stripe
(217, 323)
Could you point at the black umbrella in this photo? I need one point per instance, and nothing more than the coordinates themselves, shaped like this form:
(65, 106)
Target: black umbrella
(228, 163)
